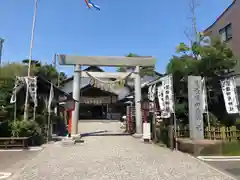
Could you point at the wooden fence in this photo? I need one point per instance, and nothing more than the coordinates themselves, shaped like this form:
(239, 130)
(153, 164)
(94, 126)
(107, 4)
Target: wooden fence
(214, 133)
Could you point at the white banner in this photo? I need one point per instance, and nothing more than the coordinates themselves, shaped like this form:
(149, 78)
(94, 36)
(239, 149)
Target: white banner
(151, 97)
(230, 95)
(160, 98)
(151, 92)
(51, 96)
(18, 82)
(14, 93)
(165, 97)
(32, 83)
(168, 93)
(204, 96)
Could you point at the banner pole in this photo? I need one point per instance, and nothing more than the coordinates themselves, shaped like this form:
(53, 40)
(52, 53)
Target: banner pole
(48, 126)
(207, 112)
(175, 131)
(174, 114)
(15, 106)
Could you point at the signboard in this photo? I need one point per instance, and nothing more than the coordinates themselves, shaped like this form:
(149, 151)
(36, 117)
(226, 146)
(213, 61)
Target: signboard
(230, 95)
(195, 106)
(98, 100)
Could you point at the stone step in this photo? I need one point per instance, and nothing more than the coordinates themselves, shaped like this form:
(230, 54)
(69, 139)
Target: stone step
(68, 141)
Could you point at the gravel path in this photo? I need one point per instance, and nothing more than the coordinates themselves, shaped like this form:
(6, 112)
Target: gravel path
(115, 158)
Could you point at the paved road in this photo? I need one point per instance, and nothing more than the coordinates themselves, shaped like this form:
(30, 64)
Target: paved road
(232, 167)
(115, 158)
(111, 127)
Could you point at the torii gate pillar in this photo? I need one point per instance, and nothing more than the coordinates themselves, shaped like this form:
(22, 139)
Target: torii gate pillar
(76, 97)
(138, 98)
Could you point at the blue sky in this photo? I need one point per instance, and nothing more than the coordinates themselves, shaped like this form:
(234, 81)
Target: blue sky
(67, 26)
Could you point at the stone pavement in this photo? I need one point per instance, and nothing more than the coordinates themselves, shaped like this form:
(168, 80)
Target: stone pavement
(89, 126)
(11, 161)
(115, 158)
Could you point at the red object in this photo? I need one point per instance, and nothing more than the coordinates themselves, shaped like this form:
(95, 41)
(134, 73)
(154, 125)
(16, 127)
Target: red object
(130, 120)
(69, 106)
(87, 3)
(70, 119)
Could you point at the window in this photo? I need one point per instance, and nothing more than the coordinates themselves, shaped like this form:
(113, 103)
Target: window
(226, 33)
(228, 29)
(222, 34)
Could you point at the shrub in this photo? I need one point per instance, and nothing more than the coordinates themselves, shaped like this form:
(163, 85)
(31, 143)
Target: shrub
(25, 128)
(41, 119)
(238, 124)
(5, 129)
(238, 121)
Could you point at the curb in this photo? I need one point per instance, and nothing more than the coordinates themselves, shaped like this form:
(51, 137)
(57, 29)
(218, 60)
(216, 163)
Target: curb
(5, 175)
(219, 158)
(20, 150)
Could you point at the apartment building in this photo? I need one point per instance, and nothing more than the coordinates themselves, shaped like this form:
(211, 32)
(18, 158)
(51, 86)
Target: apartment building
(227, 26)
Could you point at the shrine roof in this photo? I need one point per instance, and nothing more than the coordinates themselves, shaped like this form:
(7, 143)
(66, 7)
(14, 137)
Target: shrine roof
(90, 69)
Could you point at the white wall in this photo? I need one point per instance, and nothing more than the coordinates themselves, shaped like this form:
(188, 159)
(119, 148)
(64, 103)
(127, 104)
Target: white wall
(68, 87)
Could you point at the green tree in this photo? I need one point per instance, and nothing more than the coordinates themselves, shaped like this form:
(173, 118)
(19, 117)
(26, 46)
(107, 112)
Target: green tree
(144, 71)
(9, 72)
(212, 60)
(46, 71)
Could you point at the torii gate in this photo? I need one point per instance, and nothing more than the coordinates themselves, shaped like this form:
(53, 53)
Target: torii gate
(78, 61)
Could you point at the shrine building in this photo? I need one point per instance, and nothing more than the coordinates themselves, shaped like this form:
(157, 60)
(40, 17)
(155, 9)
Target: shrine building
(96, 103)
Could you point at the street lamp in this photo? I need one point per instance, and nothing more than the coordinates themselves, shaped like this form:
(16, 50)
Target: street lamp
(30, 58)
(1, 48)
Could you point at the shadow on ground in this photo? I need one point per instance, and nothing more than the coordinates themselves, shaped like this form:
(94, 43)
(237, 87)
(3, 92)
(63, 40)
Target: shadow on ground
(104, 133)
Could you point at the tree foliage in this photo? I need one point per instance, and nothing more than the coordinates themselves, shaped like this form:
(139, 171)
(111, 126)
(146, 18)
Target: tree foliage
(9, 72)
(21, 127)
(144, 71)
(46, 71)
(210, 59)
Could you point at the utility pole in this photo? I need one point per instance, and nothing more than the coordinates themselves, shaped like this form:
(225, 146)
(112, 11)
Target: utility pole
(1, 49)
